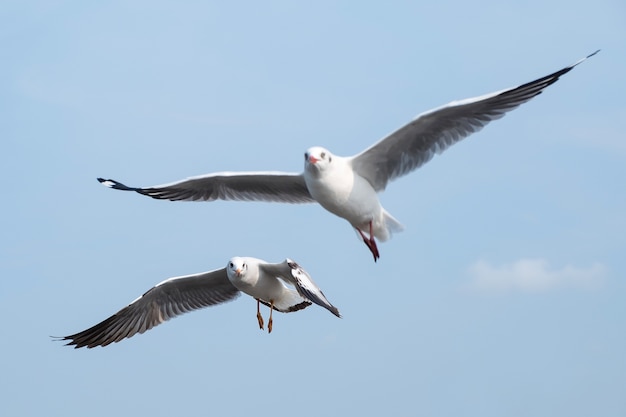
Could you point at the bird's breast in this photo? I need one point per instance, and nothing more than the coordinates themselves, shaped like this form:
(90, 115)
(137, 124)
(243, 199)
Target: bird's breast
(331, 188)
(345, 194)
(263, 287)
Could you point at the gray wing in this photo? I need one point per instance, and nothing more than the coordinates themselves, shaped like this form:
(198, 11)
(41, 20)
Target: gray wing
(162, 302)
(293, 274)
(241, 186)
(434, 131)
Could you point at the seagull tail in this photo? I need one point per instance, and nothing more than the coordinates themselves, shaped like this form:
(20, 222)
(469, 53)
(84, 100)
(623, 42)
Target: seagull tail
(391, 226)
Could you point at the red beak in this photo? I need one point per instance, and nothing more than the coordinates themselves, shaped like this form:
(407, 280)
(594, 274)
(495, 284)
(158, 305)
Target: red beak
(313, 159)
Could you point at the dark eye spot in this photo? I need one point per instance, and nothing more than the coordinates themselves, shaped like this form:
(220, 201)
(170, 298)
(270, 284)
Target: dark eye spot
(323, 155)
(231, 264)
(306, 156)
(330, 159)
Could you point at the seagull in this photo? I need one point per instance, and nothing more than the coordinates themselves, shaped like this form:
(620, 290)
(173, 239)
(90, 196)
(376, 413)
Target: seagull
(261, 280)
(348, 186)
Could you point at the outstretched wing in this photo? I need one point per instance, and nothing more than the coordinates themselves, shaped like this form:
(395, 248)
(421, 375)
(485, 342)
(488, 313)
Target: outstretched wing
(162, 302)
(292, 273)
(435, 130)
(241, 186)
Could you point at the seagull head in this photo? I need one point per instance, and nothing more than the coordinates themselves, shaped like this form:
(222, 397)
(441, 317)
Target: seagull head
(236, 267)
(317, 158)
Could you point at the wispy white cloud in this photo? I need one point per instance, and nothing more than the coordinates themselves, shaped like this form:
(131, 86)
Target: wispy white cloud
(533, 275)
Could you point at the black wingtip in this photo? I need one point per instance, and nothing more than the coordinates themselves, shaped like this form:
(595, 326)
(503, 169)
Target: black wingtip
(593, 53)
(115, 184)
(69, 340)
(584, 59)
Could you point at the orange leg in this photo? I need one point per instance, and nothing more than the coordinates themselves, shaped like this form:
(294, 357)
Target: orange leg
(259, 317)
(370, 242)
(269, 323)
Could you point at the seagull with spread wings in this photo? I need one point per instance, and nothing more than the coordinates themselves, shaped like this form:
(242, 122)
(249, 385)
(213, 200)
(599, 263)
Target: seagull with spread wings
(349, 186)
(175, 296)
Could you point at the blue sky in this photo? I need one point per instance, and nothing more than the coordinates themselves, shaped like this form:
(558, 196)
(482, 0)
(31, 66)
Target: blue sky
(503, 296)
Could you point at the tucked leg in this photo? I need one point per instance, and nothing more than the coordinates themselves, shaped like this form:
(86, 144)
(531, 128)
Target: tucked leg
(259, 317)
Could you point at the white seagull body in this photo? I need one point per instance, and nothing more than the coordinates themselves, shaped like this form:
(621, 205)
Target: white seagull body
(349, 186)
(261, 280)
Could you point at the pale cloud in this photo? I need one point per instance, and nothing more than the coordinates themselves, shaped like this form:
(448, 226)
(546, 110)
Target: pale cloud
(533, 275)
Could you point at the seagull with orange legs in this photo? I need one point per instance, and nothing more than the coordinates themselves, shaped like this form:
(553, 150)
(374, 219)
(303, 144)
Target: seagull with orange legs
(348, 186)
(175, 296)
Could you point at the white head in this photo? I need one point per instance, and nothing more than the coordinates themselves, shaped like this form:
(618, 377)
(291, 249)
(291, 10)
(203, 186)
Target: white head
(236, 267)
(317, 158)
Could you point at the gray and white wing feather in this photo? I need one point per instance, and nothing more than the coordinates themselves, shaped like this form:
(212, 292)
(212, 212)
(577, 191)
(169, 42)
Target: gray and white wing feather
(434, 131)
(293, 274)
(241, 186)
(168, 299)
